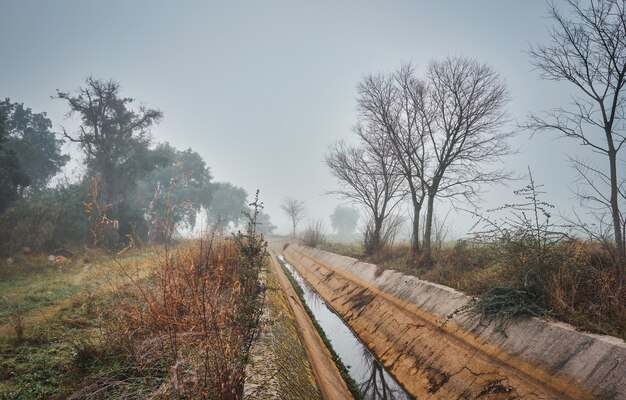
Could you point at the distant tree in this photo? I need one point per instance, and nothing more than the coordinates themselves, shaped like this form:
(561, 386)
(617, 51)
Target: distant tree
(115, 141)
(12, 177)
(264, 225)
(344, 220)
(182, 186)
(227, 204)
(588, 50)
(38, 150)
(296, 211)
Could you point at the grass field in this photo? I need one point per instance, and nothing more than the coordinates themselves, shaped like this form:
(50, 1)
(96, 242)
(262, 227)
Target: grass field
(170, 322)
(51, 335)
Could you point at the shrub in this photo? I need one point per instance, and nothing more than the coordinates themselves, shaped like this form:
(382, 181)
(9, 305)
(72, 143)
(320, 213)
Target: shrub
(377, 243)
(189, 328)
(314, 234)
(543, 271)
(523, 242)
(51, 219)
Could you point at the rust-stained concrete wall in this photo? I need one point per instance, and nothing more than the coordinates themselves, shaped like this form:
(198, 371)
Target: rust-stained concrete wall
(411, 325)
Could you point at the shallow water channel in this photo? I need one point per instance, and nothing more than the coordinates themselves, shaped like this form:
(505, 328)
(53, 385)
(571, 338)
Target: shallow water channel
(373, 379)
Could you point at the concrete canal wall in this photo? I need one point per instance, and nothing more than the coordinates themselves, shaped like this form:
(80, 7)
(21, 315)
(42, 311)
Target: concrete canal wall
(435, 352)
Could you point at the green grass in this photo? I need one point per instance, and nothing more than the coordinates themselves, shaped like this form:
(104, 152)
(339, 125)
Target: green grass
(62, 308)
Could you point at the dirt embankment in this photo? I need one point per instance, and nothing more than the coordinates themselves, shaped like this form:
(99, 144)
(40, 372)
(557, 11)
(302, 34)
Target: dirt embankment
(279, 367)
(412, 327)
(327, 375)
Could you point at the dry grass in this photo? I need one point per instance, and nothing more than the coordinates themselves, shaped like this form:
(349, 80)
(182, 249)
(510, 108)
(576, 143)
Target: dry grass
(579, 283)
(139, 326)
(187, 329)
(50, 329)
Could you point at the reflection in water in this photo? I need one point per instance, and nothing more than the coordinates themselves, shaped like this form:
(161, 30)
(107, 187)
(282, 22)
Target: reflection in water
(377, 386)
(374, 380)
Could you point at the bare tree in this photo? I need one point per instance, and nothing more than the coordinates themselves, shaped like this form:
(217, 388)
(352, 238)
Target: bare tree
(395, 103)
(367, 176)
(465, 104)
(295, 210)
(588, 50)
(443, 130)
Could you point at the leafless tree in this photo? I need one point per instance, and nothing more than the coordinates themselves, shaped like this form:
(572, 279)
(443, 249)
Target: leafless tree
(444, 129)
(465, 104)
(296, 211)
(395, 103)
(367, 176)
(588, 50)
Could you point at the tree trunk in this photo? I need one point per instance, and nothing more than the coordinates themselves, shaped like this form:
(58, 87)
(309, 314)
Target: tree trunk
(617, 222)
(415, 240)
(376, 243)
(426, 259)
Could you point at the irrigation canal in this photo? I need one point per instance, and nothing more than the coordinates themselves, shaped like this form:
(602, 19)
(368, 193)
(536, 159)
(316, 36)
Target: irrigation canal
(373, 379)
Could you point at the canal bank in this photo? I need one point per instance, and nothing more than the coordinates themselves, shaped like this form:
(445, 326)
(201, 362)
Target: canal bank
(328, 377)
(412, 327)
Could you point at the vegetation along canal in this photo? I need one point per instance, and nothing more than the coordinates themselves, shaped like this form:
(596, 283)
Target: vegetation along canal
(373, 379)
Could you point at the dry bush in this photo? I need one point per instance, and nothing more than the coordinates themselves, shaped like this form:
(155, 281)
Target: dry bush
(381, 244)
(314, 234)
(188, 329)
(585, 289)
(580, 282)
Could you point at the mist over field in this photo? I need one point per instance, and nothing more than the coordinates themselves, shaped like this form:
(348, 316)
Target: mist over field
(260, 90)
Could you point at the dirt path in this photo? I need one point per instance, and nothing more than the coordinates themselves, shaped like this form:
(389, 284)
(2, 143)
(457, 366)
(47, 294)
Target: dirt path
(328, 377)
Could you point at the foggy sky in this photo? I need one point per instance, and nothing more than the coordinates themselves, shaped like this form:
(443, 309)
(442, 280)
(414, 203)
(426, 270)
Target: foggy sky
(261, 88)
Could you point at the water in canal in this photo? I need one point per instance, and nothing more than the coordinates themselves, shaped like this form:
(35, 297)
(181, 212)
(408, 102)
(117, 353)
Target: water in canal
(373, 379)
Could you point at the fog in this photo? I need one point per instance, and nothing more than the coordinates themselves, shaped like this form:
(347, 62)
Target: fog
(260, 89)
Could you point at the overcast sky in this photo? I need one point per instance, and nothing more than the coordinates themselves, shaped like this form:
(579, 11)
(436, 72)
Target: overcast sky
(261, 88)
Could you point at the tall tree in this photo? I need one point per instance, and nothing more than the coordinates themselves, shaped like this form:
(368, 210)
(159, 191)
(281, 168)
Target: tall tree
(396, 104)
(467, 101)
(588, 50)
(38, 150)
(296, 211)
(115, 141)
(443, 130)
(12, 177)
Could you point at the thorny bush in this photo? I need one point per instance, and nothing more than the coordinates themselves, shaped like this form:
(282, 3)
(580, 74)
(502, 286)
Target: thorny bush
(543, 271)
